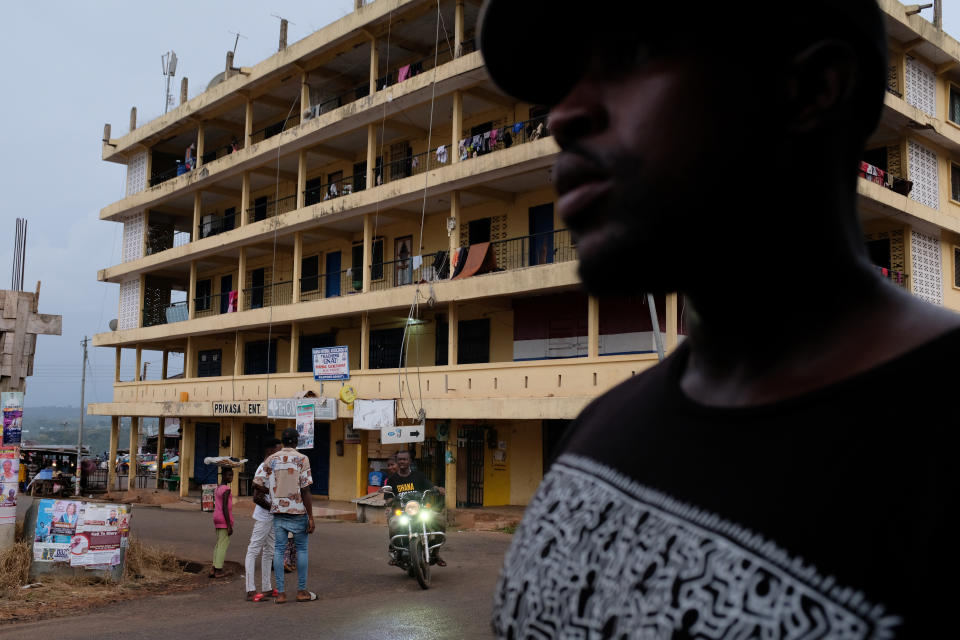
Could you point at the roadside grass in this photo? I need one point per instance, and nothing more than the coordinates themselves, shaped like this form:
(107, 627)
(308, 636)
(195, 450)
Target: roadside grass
(510, 528)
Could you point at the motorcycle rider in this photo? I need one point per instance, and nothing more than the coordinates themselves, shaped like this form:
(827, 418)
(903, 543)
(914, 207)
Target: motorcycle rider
(406, 479)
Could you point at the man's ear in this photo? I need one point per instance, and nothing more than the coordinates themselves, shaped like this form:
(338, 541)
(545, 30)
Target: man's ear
(819, 85)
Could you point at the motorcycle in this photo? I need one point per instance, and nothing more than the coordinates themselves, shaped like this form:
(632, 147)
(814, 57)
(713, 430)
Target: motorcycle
(414, 547)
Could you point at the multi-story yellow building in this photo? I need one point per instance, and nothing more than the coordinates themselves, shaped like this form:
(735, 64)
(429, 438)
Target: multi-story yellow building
(369, 187)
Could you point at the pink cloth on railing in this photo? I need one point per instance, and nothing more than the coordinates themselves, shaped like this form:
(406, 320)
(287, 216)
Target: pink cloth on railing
(404, 73)
(232, 301)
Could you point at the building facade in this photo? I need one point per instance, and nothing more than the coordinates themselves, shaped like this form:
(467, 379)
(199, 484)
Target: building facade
(369, 187)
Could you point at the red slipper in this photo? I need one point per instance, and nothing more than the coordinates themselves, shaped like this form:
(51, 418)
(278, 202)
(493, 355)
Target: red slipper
(259, 597)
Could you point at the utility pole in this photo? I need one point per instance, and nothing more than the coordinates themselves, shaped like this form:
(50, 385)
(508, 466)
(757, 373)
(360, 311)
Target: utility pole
(83, 410)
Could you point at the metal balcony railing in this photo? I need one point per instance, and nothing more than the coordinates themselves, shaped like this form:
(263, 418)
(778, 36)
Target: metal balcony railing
(268, 131)
(535, 249)
(330, 285)
(271, 208)
(176, 312)
(215, 225)
(159, 177)
(503, 137)
(885, 179)
(334, 189)
(411, 270)
(214, 304)
(269, 295)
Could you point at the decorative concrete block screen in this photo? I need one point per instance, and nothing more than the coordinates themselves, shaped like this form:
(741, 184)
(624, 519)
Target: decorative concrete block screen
(927, 276)
(137, 173)
(923, 173)
(921, 87)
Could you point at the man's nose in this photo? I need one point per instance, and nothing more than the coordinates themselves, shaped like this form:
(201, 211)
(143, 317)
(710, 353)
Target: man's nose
(581, 113)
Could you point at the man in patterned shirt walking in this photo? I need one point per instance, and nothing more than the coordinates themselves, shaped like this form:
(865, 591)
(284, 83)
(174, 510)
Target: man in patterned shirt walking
(286, 476)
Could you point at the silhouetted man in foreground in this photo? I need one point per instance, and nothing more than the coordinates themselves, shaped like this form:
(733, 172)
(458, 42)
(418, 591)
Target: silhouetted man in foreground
(786, 472)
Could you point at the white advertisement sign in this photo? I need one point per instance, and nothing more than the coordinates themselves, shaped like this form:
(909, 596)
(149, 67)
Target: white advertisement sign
(305, 426)
(400, 435)
(331, 363)
(374, 414)
(286, 408)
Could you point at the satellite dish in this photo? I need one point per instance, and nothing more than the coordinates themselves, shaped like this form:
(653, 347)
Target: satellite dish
(113, 325)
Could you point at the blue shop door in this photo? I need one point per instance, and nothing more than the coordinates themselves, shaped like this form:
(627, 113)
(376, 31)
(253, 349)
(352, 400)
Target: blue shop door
(207, 444)
(541, 234)
(333, 274)
(320, 459)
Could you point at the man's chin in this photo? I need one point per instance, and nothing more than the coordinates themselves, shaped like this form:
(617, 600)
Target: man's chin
(608, 271)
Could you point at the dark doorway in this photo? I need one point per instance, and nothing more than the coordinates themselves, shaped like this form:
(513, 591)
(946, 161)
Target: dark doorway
(226, 286)
(474, 453)
(319, 458)
(333, 274)
(478, 231)
(308, 344)
(209, 362)
(260, 209)
(207, 445)
(258, 359)
(254, 443)
(541, 234)
(313, 192)
(309, 272)
(359, 176)
(879, 252)
(204, 289)
(473, 342)
(229, 215)
(431, 461)
(385, 348)
(553, 431)
(256, 290)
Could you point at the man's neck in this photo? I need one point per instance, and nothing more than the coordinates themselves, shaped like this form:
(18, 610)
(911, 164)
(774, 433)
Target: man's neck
(404, 475)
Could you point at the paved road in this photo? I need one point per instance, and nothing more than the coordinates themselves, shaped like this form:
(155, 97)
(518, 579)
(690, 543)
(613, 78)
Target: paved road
(360, 595)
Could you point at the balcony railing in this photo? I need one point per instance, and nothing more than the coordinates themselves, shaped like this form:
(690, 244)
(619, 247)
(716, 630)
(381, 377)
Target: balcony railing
(898, 278)
(271, 208)
(269, 295)
(176, 312)
(407, 71)
(535, 249)
(215, 304)
(414, 269)
(219, 152)
(159, 177)
(503, 137)
(330, 285)
(885, 179)
(162, 239)
(268, 131)
(215, 225)
(334, 189)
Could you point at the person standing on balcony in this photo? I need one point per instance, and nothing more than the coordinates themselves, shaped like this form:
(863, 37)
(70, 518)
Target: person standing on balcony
(763, 481)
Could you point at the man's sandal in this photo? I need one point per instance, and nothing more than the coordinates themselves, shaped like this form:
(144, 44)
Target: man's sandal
(281, 599)
(308, 598)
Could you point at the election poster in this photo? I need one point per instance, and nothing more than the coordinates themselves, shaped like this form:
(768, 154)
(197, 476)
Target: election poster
(331, 363)
(56, 524)
(9, 476)
(11, 404)
(305, 426)
(97, 540)
(83, 534)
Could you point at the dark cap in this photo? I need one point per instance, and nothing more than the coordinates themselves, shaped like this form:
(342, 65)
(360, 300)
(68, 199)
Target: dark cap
(536, 50)
(290, 436)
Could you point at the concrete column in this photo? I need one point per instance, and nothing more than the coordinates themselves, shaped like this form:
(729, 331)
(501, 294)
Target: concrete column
(593, 327)
(134, 441)
(304, 92)
(453, 333)
(161, 443)
(297, 264)
(455, 234)
(238, 355)
(294, 345)
(164, 365)
(371, 155)
(374, 67)
(192, 292)
(244, 198)
(112, 459)
(136, 374)
(364, 340)
(367, 249)
(236, 451)
(450, 477)
(116, 370)
(241, 277)
(187, 449)
(456, 123)
(197, 212)
(133, 118)
(458, 29)
(670, 343)
(189, 360)
(248, 123)
(362, 463)
(301, 179)
(200, 136)
(183, 89)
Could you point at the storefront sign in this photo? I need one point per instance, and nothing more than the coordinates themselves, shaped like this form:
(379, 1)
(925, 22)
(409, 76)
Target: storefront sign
(400, 435)
(11, 404)
(351, 436)
(374, 414)
(286, 408)
(305, 426)
(331, 363)
(238, 408)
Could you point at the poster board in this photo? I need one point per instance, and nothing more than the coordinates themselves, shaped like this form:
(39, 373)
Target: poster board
(81, 534)
(11, 404)
(331, 363)
(9, 478)
(305, 426)
(374, 414)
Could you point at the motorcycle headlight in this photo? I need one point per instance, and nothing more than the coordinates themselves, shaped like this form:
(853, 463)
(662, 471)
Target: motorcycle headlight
(404, 520)
(412, 508)
(424, 515)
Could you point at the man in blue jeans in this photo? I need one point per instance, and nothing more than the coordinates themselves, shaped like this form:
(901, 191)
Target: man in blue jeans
(286, 476)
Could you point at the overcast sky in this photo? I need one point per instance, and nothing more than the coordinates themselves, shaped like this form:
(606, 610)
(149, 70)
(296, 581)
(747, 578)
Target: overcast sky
(70, 67)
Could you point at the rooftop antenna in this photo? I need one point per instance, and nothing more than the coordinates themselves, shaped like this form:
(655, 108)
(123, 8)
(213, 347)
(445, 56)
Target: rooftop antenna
(169, 62)
(283, 30)
(236, 39)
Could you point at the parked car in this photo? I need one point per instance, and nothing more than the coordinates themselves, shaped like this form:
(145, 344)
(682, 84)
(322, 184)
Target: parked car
(171, 465)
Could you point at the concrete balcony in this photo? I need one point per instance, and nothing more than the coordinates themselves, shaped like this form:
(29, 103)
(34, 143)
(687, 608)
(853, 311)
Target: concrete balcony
(545, 389)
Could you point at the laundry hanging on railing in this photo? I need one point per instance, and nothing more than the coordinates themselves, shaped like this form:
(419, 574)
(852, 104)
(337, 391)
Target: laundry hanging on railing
(232, 301)
(442, 154)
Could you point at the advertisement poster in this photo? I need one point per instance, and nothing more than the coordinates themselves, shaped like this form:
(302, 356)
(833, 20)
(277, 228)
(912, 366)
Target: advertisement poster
(9, 470)
(47, 546)
(374, 414)
(286, 408)
(98, 537)
(11, 403)
(331, 363)
(305, 426)
(85, 534)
